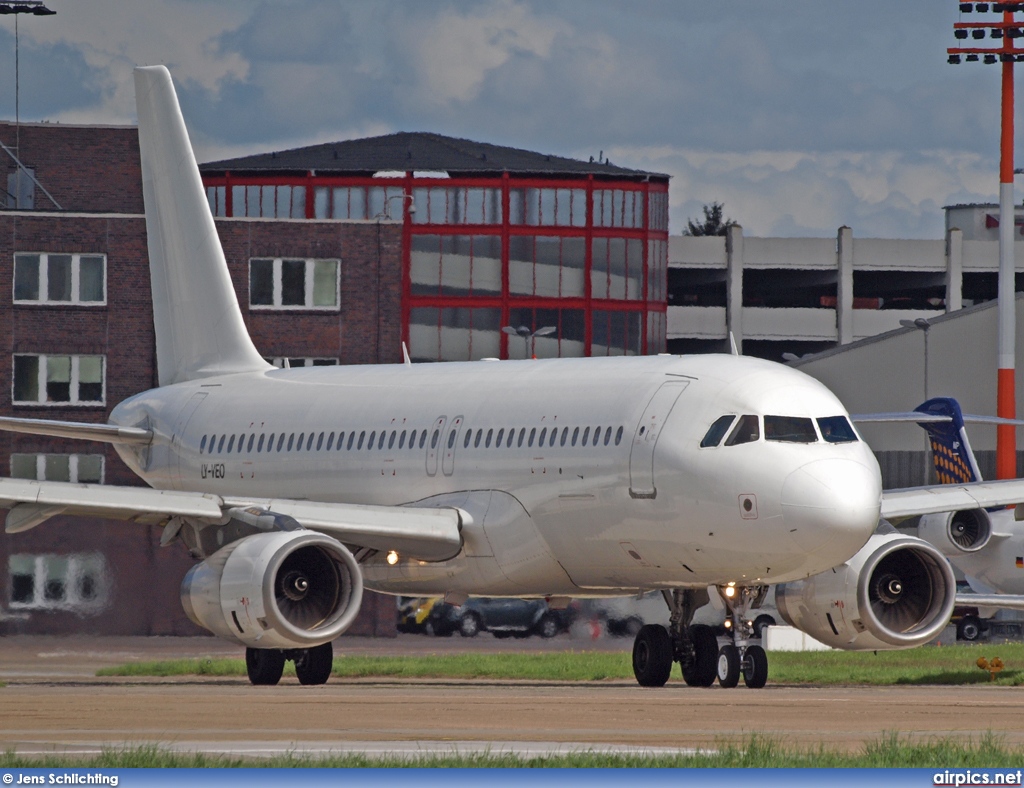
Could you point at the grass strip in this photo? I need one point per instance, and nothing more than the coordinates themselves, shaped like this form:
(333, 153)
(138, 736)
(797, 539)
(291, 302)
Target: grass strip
(925, 665)
(758, 751)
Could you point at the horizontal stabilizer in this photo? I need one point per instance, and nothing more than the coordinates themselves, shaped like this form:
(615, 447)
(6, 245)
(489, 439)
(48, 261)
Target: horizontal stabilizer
(916, 417)
(425, 534)
(910, 502)
(77, 430)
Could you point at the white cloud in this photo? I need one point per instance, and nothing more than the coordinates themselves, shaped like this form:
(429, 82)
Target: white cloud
(883, 194)
(116, 35)
(455, 51)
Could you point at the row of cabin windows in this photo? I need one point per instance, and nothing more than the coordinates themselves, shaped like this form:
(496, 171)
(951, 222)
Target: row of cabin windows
(485, 437)
(278, 442)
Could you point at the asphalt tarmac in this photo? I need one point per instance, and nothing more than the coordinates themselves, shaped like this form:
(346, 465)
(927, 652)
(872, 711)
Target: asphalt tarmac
(53, 701)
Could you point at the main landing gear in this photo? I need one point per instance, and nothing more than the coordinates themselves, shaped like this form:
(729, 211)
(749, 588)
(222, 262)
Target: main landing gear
(312, 665)
(695, 646)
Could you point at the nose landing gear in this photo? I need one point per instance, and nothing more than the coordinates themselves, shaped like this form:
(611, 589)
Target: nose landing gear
(695, 646)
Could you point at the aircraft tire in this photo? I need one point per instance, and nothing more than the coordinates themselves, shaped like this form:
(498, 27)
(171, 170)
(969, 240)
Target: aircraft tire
(704, 670)
(755, 667)
(652, 656)
(264, 665)
(968, 628)
(728, 666)
(315, 664)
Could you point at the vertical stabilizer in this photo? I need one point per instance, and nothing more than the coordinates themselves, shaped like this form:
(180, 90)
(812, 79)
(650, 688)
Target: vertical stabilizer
(951, 451)
(199, 327)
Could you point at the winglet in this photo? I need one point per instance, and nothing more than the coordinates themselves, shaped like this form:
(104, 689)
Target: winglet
(951, 450)
(405, 355)
(732, 345)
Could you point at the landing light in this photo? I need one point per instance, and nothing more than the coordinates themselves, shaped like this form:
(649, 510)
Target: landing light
(392, 558)
(730, 592)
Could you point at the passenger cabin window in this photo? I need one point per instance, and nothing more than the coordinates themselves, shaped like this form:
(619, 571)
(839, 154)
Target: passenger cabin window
(747, 430)
(789, 429)
(717, 431)
(836, 429)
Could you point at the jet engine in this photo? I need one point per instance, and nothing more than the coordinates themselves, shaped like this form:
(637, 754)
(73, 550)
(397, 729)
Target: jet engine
(954, 533)
(284, 589)
(896, 592)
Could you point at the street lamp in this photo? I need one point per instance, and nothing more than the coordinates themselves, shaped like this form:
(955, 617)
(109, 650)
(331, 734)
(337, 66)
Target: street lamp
(921, 324)
(36, 8)
(1004, 33)
(529, 337)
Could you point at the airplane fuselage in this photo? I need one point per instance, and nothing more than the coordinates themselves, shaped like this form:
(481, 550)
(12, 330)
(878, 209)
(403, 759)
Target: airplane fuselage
(579, 475)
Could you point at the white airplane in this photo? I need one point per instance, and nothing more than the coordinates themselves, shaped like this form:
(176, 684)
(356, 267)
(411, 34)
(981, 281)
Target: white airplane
(555, 478)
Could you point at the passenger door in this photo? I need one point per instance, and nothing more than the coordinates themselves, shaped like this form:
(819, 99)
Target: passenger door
(641, 455)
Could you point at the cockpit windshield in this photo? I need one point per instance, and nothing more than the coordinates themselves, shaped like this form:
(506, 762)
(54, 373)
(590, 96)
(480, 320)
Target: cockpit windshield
(717, 432)
(789, 429)
(747, 430)
(836, 429)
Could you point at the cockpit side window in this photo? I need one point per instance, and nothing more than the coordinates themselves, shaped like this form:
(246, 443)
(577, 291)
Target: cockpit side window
(717, 431)
(747, 430)
(836, 429)
(789, 429)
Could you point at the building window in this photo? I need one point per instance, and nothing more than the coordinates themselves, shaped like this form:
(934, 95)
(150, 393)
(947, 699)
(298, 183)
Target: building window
(268, 202)
(567, 340)
(46, 278)
(21, 189)
(78, 468)
(217, 197)
(618, 268)
(548, 207)
(454, 334)
(543, 265)
(455, 264)
(451, 205)
(283, 283)
(59, 380)
(78, 582)
(616, 333)
(308, 361)
(618, 208)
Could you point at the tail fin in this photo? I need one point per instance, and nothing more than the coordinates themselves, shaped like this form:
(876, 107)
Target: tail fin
(951, 451)
(199, 327)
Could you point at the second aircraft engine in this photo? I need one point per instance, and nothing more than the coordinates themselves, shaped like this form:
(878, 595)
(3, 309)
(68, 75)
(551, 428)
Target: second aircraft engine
(954, 533)
(896, 592)
(285, 589)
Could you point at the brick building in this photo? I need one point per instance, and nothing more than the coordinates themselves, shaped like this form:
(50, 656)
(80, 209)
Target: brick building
(77, 327)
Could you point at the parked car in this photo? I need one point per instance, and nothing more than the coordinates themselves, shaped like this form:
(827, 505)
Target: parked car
(502, 618)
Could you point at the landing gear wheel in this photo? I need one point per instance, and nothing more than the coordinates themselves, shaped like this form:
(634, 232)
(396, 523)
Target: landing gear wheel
(704, 669)
(548, 627)
(755, 667)
(652, 656)
(314, 665)
(729, 666)
(264, 665)
(969, 628)
(469, 625)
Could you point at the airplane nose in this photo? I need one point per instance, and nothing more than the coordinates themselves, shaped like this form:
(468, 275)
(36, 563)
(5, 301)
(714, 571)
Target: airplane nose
(830, 507)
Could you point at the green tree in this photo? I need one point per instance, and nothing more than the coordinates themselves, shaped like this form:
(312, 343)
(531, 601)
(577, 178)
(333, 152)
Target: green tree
(713, 224)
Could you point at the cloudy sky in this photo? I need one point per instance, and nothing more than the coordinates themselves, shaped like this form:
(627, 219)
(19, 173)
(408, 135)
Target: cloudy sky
(799, 115)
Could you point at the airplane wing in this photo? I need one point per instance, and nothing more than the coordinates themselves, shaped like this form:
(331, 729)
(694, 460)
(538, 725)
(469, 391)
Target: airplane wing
(104, 433)
(426, 534)
(912, 501)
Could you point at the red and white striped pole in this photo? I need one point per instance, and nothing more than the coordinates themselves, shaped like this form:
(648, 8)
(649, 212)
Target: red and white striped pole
(1006, 399)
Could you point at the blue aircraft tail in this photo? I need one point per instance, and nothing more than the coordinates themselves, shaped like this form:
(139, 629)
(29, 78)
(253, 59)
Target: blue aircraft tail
(951, 451)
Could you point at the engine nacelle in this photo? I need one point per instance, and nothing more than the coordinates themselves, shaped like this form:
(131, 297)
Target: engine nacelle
(896, 592)
(955, 533)
(285, 589)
